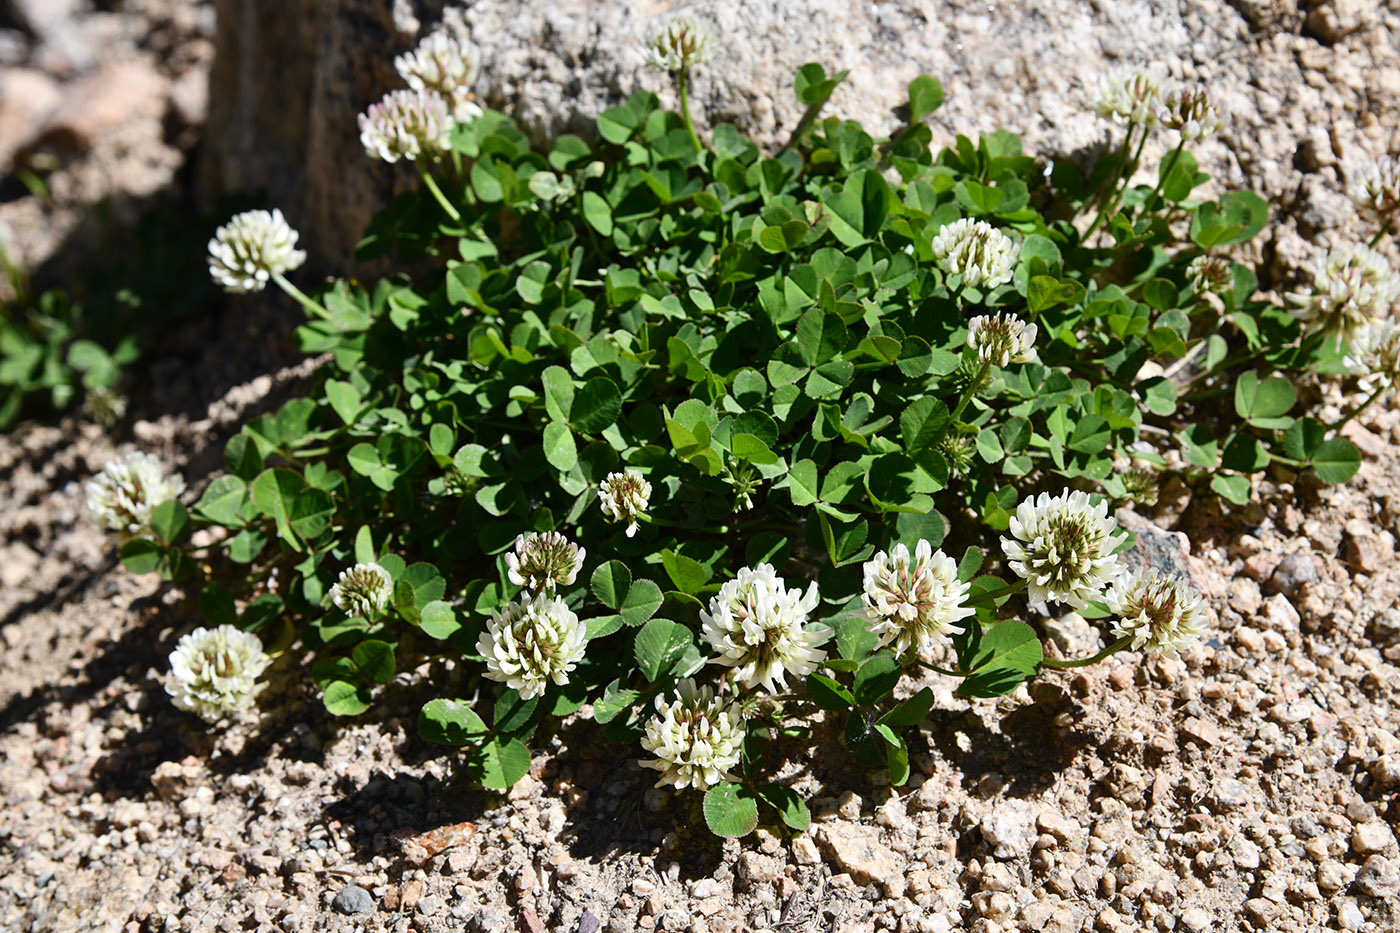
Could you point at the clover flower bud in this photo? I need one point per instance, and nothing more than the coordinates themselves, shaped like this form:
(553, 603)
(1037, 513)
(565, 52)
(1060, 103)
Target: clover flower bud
(531, 643)
(1063, 547)
(696, 738)
(1191, 110)
(447, 64)
(678, 40)
(216, 671)
(757, 625)
(958, 450)
(362, 590)
(104, 405)
(250, 249)
(745, 481)
(405, 125)
(1130, 95)
(1375, 187)
(1139, 485)
(1373, 353)
(1159, 613)
(974, 249)
(540, 562)
(122, 497)
(624, 496)
(914, 603)
(1002, 339)
(1351, 285)
(1209, 274)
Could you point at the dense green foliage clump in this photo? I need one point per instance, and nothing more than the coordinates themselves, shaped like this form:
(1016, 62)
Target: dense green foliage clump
(779, 346)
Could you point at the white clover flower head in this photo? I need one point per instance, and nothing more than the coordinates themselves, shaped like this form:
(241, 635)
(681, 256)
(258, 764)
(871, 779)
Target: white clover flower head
(1002, 339)
(696, 738)
(1131, 94)
(532, 642)
(406, 124)
(678, 40)
(1160, 613)
(914, 603)
(1373, 353)
(757, 626)
(215, 671)
(1351, 285)
(974, 249)
(447, 64)
(1063, 547)
(1192, 110)
(122, 497)
(542, 561)
(250, 249)
(362, 590)
(1375, 187)
(1209, 274)
(623, 496)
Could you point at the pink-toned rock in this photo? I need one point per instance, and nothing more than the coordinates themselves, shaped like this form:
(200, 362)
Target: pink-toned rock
(26, 97)
(97, 104)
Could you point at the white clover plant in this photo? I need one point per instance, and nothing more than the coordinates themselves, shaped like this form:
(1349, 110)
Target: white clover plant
(696, 442)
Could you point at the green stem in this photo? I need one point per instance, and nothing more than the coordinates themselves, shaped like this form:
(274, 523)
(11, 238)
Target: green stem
(1117, 646)
(1110, 203)
(1227, 363)
(1362, 407)
(1385, 228)
(306, 301)
(971, 389)
(991, 596)
(938, 670)
(1166, 170)
(681, 83)
(441, 198)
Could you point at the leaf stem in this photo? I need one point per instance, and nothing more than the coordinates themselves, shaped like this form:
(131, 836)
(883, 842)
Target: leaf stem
(938, 670)
(1167, 165)
(1363, 406)
(991, 596)
(1115, 194)
(1385, 228)
(681, 83)
(441, 198)
(1114, 648)
(971, 389)
(305, 300)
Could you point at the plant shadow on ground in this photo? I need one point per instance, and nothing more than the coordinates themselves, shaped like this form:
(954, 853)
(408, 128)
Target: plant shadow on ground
(604, 803)
(138, 267)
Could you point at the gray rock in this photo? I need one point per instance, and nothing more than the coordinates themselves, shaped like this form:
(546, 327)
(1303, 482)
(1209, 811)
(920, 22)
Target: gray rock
(1157, 548)
(291, 75)
(1294, 571)
(1379, 877)
(857, 849)
(1010, 828)
(353, 899)
(13, 48)
(39, 17)
(488, 920)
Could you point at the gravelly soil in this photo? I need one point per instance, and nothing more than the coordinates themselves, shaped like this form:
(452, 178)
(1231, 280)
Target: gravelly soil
(1250, 785)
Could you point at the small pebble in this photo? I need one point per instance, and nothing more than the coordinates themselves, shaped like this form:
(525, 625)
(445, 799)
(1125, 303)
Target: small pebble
(353, 899)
